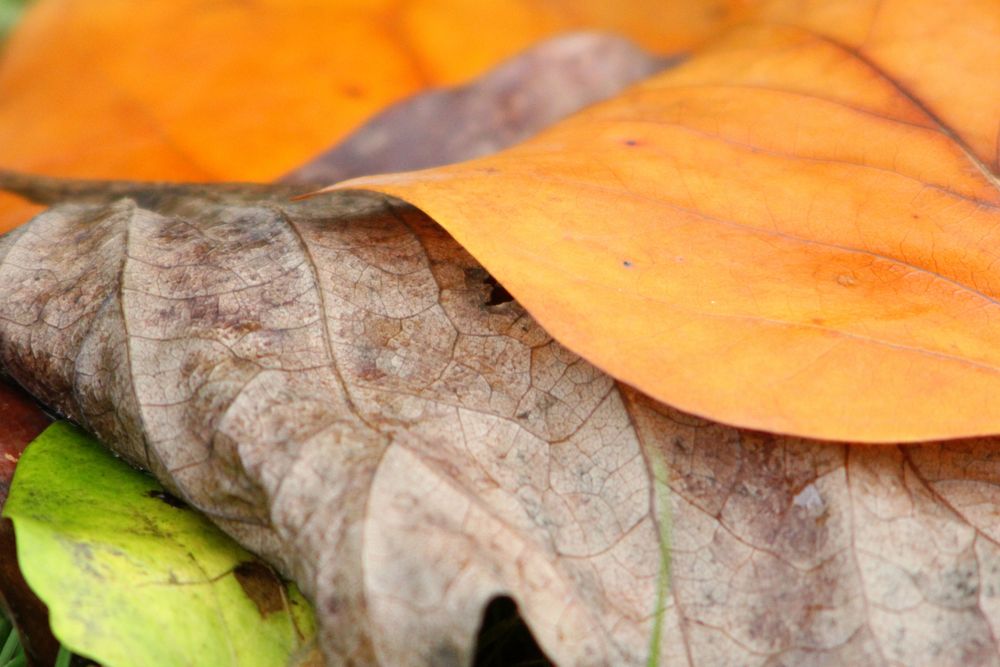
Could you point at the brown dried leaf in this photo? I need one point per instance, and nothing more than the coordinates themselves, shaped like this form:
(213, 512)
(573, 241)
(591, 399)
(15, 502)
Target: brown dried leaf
(326, 380)
(503, 107)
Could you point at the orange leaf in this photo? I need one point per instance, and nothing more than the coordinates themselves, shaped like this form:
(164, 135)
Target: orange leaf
(189, 90)
(795, 231)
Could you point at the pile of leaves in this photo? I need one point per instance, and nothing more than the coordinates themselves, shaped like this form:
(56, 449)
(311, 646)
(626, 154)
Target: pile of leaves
(700, 374)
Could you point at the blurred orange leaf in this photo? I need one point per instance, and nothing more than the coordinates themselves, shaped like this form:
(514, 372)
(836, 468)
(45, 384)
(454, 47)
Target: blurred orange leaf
(795, 231)
(193, 90)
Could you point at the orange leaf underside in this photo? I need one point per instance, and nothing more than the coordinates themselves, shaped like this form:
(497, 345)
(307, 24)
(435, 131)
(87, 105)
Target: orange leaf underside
(189, 90)
(795, 231)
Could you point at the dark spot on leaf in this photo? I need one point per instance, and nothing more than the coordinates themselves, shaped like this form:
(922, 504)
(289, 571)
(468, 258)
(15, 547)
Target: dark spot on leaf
(631, 142)
(504, 638)
(352, 90)
(627, 263)
(168, 498)
(262, 586)
(446, 654)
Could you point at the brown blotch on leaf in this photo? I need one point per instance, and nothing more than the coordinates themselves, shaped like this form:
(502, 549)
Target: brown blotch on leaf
(262, 586)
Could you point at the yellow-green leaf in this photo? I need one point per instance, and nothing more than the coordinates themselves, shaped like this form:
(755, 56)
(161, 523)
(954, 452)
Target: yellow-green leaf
(132, 576)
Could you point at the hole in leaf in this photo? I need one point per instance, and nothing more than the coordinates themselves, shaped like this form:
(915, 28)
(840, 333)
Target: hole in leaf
(505, 640)
(498, 293)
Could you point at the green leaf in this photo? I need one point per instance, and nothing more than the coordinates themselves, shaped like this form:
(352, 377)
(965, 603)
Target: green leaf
(133, 577)
(10, 12)
(11, 651)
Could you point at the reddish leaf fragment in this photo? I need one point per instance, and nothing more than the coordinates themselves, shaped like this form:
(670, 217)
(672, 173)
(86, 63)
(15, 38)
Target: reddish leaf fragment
(21, 420)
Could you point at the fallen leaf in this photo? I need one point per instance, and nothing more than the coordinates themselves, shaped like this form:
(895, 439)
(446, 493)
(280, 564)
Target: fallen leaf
(194, 90)
(506, 105)
(133, 580)
(328, 382)
(793, 230)
(796, 552)
(332, 390)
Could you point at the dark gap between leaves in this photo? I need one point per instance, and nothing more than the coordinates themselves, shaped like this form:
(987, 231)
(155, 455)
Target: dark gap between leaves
(504, 639)
(498, 293)
(168, 498)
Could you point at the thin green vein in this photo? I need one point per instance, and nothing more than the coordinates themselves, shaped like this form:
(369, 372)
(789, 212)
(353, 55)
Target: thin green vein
(661, 499)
